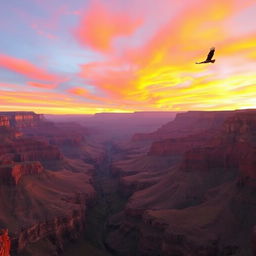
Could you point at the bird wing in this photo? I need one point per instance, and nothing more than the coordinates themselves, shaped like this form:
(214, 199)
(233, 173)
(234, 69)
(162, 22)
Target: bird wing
(210, 54)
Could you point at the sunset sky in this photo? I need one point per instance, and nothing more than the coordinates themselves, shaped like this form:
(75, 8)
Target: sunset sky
(87, 56)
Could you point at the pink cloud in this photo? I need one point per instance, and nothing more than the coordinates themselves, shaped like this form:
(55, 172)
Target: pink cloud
(26, 68)
(42, 85)
(78, 91)
(43, 33)
(99, 26)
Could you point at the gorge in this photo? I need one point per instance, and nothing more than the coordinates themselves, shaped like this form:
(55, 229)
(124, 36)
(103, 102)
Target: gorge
(175, 184)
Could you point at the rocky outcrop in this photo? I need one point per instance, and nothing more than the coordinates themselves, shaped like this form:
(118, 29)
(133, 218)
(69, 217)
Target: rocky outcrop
(253, 241)
(39, 205)
(23, 149)
(63, 135)
(233, 148)
(19, 119)
(186, 124)
(21, 170)
(11, 174)
(189, 130)
(4, 121)
(5, 243)
(57, 231)
(178, 146)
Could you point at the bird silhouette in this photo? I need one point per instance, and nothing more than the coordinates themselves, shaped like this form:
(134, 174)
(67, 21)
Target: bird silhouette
(209, 57)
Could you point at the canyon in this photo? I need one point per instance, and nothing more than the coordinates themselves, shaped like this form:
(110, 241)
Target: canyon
(44, 195)
(201, 201)
(175, 184)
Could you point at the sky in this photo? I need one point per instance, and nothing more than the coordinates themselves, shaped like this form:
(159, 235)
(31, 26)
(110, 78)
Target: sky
(88, 56)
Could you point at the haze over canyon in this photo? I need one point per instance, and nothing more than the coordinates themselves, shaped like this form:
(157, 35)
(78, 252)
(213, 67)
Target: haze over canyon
(145, 183)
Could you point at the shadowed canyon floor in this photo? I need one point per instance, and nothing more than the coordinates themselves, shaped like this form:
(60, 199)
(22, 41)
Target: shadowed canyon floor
(107, 203)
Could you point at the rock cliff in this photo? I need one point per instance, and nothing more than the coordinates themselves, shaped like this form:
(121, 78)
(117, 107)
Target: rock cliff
(44, 195)
(5, 243)
(19, 119)
(25, 149)
(204, 205)
(185, 124)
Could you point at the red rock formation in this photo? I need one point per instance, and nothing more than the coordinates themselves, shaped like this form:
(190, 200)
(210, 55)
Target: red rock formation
(189, 130)
(4, 121)
(12, 173)
(61, 134)
(59, 230)
(20, 170)
(233, 148)
(178, 146)
(19, 119)
(205, 206)
(254, 240)
(5, 243)
(185, 124)
(38, 204)
(22, 149)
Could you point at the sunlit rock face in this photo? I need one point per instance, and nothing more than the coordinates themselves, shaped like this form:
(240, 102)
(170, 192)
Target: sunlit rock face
(5, 243)
(4, 121)
(19, 119)
(12, 173)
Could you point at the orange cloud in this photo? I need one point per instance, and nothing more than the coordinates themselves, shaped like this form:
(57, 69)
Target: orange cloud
(78, 91)
(55, 103)
(115, 78)
(99, 26)
(26, 68)
(162, 73)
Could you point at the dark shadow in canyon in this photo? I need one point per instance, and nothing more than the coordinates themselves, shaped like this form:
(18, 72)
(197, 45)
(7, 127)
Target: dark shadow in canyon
(108, 202)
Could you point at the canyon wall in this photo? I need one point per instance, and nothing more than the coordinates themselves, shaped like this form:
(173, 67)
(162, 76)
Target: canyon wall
(192, 193)
(204, 203)
(186, 124)
(44, 194)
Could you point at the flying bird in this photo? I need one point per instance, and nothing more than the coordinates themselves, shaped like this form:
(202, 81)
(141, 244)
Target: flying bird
(209, 57)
